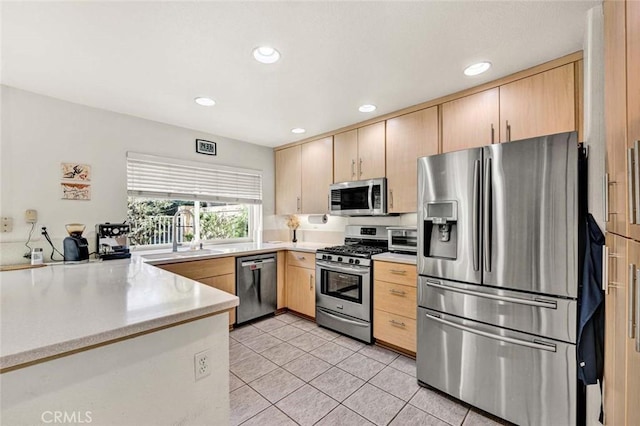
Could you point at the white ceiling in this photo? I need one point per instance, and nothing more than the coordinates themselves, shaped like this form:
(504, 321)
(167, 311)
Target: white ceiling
(150, 59)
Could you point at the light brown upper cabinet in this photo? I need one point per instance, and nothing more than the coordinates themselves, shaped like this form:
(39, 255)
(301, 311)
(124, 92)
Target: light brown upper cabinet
(409, 137)
(317, 175)
(615, 112)
(633, 107)
(360, 153)
(471, 121)
(542, 104)
(288, 180)
(303, 175)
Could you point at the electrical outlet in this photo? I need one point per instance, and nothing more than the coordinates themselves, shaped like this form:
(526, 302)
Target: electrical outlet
(7, 224)
(202, 364)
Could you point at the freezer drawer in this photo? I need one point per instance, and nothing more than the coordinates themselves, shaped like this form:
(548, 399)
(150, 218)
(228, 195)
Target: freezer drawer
(519, 377)
(546, 315)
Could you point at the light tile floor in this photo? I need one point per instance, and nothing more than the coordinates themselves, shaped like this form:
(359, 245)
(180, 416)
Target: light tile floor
(286, 370)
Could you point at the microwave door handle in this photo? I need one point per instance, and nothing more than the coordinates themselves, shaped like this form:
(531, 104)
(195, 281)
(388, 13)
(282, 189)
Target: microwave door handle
(370, 197)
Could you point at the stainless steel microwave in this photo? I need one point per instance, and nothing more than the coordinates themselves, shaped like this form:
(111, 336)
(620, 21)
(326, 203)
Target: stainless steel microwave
(359, 198)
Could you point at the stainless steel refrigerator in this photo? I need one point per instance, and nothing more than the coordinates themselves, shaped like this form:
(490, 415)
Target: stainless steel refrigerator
(498, 259)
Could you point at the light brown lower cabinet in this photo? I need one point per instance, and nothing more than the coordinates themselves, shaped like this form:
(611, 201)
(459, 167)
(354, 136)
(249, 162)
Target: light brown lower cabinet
(395, 304)
(219, 273)
(622, 328)
(301, 283)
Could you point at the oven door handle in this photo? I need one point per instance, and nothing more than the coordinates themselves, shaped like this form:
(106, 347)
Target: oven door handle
(329, 314)
(358, 270)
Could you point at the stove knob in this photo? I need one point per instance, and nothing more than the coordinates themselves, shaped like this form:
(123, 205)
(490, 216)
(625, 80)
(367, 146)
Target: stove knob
(325, 257)
(339, 259)
(350, 260)
(357, 261)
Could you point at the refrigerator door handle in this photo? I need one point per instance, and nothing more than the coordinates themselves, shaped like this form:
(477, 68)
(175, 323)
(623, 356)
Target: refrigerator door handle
(476, 215)
(487, 215)
(541, 303)
(535, 344)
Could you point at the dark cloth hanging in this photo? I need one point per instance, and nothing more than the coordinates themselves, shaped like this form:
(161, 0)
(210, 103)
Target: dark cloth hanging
(591, 315)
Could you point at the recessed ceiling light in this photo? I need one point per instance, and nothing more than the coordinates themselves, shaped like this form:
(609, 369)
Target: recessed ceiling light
(478, 68)
(367, 108)
(205, 101)
(266, 54)
(298, 130)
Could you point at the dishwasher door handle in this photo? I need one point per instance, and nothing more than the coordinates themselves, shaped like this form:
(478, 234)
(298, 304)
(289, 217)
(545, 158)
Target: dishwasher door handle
(257, 263)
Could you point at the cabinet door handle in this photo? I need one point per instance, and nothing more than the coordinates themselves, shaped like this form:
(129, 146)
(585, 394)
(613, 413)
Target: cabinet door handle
(605, 192)
(298, 204)
(632, 219)
(397, 292)
(391, 197)
(398, 271)
(636, 177)
(493, 134)
(301, 257)
(508, 131)
(353, 168)
(630, 302)
(637, 310)
(360, 169)
(605, 270)
(397, 323)
(310, 282)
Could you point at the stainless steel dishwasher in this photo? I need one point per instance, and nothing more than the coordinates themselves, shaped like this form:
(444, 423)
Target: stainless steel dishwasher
(256, 286)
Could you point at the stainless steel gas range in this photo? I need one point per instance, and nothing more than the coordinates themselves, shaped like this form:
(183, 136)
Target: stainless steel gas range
(344, 281)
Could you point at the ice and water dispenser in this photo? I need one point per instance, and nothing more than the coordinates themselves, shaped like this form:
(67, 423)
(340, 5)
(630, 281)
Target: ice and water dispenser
(440, 229)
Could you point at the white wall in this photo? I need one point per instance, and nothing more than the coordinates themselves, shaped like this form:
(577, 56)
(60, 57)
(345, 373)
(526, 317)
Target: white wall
(594, 138)
(39, 132)
(147, 380)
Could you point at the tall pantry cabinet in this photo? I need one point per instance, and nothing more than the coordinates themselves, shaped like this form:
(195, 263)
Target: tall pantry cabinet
(622, 209)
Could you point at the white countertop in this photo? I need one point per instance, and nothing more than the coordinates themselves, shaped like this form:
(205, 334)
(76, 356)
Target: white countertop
(60, 308)
(410, 259)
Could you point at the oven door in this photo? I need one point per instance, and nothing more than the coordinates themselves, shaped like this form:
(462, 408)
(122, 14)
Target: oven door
(344, 288)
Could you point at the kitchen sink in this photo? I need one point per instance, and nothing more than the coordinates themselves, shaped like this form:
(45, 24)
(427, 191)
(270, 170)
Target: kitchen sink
(180, 254)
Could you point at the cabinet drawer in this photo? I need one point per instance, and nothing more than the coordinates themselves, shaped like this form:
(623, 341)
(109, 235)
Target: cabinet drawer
(301, 259)
(395, 329)
(202, 268)
(395, 298)
(399, 273)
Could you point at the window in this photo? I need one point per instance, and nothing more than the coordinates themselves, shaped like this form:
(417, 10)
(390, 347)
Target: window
(224, 202)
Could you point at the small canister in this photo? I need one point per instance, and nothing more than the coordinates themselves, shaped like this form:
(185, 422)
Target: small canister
(37, 256)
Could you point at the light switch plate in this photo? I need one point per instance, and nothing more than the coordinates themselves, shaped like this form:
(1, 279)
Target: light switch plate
(7, 224)
(31, 216)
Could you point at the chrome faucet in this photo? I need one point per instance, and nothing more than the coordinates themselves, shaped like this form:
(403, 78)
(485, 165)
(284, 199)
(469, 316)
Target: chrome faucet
(175, 226)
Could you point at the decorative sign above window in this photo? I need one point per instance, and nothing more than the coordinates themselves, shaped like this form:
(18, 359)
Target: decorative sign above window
(206, 147)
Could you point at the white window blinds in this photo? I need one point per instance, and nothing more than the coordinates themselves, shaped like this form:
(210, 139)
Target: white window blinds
(167, 178)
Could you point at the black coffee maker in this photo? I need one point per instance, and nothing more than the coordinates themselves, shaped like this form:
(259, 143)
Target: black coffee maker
(76, 248)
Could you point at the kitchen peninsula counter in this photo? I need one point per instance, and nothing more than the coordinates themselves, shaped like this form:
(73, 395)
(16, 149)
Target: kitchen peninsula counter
(59, 309)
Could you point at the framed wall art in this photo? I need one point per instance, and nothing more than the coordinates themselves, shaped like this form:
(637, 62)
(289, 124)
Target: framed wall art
(75, 191)
(76, 171)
